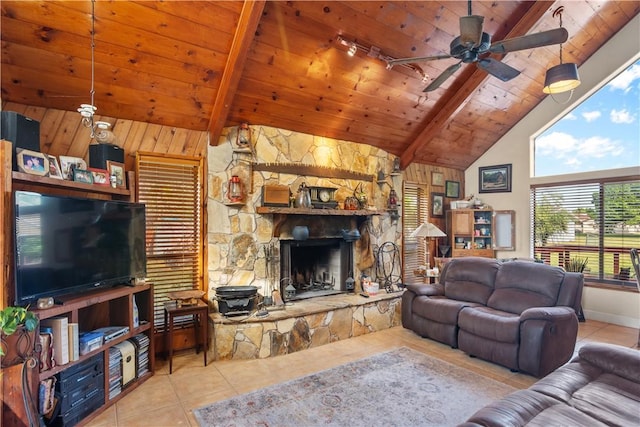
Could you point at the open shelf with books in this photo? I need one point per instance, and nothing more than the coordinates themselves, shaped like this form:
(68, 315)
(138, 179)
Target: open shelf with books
(112, 319)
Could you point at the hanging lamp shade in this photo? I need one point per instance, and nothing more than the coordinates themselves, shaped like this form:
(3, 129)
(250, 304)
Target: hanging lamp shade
(561, 78)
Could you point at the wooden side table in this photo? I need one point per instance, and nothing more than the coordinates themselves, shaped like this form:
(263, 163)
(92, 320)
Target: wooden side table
(200, 313)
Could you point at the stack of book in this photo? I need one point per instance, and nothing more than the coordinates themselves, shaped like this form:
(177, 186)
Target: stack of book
(115, 372)
(141, 342)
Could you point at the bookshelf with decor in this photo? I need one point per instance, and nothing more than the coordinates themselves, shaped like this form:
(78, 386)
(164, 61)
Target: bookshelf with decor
(123, 311)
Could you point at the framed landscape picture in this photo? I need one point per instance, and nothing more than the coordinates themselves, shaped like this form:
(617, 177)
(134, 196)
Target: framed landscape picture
(437, 204)
(452, 189)
(495, 179)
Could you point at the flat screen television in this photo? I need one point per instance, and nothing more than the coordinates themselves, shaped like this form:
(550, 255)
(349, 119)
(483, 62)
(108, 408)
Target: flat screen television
(67, 245)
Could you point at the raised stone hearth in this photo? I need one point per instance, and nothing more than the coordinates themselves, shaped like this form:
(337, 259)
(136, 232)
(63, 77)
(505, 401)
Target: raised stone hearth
(303, 324)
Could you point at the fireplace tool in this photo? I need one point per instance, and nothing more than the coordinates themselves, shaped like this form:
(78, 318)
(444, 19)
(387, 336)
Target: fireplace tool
(388, 267)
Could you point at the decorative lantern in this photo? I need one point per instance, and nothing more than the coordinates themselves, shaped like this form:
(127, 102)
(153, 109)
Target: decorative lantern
(289, 292)
(393, 199)
(243, 137)
(235, 191)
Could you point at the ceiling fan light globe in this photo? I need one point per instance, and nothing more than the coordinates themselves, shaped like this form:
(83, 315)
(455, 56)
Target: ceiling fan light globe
(561, 78)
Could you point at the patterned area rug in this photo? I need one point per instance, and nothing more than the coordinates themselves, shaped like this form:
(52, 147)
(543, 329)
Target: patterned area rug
(399, 388)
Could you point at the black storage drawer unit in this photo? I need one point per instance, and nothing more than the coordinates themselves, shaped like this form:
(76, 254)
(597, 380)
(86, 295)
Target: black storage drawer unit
(80, 390)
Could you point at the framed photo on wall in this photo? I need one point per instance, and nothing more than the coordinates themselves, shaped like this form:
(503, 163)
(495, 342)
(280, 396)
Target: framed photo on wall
(437, 204)
(452, 189)
(437, 179)
(495, 179)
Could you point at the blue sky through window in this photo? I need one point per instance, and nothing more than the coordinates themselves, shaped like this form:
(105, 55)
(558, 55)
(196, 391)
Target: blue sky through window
(601, 133)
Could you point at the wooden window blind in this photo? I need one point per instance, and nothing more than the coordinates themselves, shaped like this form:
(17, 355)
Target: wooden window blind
(414, 212)
(171, 189)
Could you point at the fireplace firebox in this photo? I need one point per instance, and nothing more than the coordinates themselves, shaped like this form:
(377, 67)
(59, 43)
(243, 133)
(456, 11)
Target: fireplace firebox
(315, 267)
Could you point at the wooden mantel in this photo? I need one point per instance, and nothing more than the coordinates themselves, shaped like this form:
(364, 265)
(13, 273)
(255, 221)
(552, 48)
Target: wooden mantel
(281, 214)
(324, 212)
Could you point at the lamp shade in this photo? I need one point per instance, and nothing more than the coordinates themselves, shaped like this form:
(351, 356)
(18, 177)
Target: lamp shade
(427, 230)
(561, 78)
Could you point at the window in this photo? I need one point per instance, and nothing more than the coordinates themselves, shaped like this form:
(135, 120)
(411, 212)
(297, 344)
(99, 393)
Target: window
(414, 212)
(591, 225)
(170, 188)
(601, 133)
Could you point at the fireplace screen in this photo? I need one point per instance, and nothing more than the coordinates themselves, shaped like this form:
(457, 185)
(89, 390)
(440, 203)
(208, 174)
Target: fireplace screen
(314, 267)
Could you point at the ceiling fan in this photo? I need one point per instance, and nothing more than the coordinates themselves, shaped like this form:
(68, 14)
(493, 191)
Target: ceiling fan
(472, 44)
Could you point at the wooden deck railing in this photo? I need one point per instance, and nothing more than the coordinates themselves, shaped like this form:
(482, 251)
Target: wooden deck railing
(564, 253)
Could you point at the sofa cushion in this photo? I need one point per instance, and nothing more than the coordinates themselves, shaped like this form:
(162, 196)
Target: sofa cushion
(487, 322)
(470, 279)
(520, 285)
(439, 309)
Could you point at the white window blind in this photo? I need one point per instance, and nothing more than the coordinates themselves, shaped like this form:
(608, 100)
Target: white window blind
(414, 212)
(593, 223)
(170, 188)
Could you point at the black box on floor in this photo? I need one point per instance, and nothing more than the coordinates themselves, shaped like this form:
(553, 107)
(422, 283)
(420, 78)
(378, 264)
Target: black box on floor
(22, 131)
(100, 153)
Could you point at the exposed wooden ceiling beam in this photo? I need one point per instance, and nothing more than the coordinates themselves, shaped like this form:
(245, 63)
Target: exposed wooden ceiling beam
(245, 31)
(472, 80)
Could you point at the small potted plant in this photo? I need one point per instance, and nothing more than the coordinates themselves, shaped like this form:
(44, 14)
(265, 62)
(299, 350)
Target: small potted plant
(17, 334)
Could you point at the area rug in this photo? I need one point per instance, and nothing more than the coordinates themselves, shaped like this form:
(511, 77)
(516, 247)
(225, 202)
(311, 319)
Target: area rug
(398, 388)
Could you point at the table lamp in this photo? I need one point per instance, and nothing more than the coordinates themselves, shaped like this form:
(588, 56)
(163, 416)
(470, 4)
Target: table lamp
(427, 230)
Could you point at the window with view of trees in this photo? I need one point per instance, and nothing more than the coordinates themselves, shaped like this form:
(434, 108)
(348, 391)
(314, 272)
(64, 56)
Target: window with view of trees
(589, 227)
(583, 224)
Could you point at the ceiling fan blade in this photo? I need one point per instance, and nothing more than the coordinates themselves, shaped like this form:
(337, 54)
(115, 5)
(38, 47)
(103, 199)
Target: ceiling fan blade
(471, 30)
(442, 77)
(498, 69)
(400, 61)
(544, 38)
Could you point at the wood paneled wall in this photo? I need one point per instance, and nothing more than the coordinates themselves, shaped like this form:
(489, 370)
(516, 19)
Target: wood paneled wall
(421, 174)
(62, 134)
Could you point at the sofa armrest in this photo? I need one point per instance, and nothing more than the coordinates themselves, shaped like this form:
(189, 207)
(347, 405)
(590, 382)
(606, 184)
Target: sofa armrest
(547, 339)
(546, 313)
(426, 289)
(614, 359)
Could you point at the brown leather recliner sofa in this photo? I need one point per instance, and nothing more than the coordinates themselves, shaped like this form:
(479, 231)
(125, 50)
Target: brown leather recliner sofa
(519, 314)
(601, 386)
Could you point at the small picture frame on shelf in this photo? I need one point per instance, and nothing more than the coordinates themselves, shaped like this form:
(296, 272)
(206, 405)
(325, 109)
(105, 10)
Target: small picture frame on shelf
(437, 179)
(54, 167)
(452, 189)
(82, 175)
(495, 179)
(117, 169)
(32, 162)
(437, 205)
(100, 176)
(68, 164)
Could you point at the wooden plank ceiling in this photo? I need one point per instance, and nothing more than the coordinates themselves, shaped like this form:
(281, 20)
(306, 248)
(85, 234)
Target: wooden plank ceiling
(206, 65)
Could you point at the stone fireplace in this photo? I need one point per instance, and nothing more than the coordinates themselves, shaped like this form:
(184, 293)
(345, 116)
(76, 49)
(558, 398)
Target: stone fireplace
(315, 267)
(253, 244)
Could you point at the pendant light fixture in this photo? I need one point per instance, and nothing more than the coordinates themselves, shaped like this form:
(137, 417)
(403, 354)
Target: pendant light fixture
(87, 111)
(563, 77)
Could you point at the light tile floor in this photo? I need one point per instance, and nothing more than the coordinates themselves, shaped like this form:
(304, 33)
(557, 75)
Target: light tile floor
(167, 400)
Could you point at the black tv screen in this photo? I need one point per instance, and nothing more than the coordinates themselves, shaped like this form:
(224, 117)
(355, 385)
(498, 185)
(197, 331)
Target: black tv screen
(66, 245)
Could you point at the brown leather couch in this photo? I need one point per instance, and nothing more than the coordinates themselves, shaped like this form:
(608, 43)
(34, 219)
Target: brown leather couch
(519, 314)
(601, 386)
